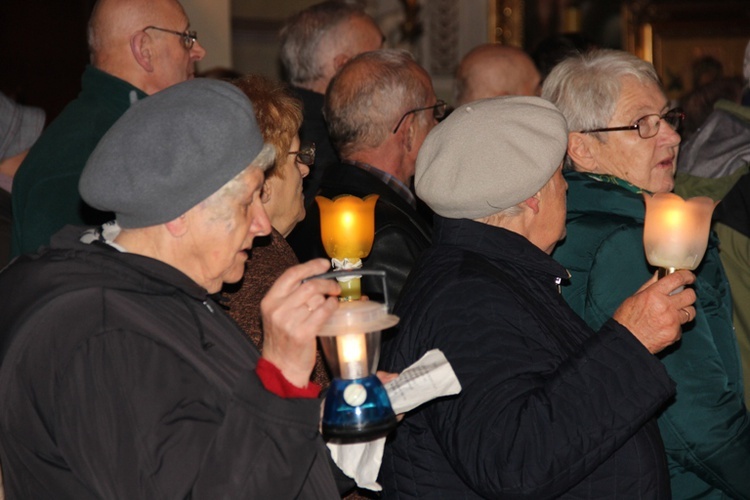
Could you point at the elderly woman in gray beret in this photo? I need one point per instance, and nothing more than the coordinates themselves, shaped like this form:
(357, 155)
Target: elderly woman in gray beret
(549, 407)
(120, 376)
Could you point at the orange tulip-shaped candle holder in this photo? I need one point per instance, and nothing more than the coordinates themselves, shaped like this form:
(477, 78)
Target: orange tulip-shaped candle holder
(347, 228)
(675, 233)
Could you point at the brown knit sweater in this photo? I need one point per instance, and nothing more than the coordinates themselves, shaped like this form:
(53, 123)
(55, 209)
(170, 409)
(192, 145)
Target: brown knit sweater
(269, 257)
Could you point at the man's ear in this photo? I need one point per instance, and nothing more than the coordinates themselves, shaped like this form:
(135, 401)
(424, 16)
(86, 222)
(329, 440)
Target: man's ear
(140, 47)
(533, 202)
(339, 60)
(178, 227)
(405, 133)
(580, 152)
(409, 127)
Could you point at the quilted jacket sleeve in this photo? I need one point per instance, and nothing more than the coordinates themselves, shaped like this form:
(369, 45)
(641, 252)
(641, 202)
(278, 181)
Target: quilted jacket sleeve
(531, 420)
(261, 447)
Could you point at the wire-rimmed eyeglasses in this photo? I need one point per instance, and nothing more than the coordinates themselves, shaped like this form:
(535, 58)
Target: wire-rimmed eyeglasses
(188, 36)
(438, 112)
(305, 154)
(648, 126)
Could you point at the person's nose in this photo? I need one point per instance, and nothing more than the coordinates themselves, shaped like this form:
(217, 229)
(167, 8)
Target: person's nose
(260, 224)
(668, 135)
(197, 52)
(304, 170)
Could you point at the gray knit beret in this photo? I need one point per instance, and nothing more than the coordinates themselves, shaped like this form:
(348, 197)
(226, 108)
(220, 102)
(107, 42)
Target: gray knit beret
(170, 151)
(490, 155)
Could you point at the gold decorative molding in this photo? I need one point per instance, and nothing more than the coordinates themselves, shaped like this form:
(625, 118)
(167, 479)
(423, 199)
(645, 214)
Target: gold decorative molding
(672, 34)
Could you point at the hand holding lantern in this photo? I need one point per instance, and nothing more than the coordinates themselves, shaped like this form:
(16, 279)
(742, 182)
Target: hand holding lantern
(357, 406)
(675, 233)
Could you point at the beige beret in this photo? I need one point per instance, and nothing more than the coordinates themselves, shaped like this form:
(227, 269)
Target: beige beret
(490, 155)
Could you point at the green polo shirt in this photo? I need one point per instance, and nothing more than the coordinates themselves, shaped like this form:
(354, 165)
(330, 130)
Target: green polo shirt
(45, 189)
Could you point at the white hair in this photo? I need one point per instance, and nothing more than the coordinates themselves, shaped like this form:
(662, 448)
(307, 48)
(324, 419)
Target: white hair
(220, 204)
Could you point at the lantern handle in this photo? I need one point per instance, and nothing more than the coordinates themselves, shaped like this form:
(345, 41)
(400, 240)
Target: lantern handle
(355, 272)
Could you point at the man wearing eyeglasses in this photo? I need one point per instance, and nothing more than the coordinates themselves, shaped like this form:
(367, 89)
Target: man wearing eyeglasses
(137, 48)
(315, 43)
(379, 109)
(624, 142)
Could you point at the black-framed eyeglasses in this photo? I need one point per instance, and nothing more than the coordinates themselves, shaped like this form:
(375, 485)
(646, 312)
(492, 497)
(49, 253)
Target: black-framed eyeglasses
(648, 126)
(188, 36)
(438, 112)
(306, 154)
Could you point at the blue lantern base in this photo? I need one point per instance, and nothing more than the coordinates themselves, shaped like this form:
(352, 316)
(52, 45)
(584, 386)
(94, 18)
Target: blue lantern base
(357, 410)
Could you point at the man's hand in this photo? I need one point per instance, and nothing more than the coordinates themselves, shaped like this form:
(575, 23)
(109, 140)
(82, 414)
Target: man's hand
(653, 315)
(293, 313)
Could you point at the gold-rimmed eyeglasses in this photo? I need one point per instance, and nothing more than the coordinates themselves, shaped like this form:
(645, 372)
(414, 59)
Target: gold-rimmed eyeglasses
(438, 112)
(647, 126)
(188, 36)
(305, 154)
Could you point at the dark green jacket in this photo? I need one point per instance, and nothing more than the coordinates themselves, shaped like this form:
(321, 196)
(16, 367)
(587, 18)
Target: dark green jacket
(45, 189)
(714, 162)
(706, 428)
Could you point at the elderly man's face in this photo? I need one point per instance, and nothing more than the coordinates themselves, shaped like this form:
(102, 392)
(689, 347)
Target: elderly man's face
(172, 61)
(222, 228)
(646, 163)
(424, 122)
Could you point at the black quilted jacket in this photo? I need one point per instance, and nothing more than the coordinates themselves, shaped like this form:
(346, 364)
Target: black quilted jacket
(549, 408)
(121, 378)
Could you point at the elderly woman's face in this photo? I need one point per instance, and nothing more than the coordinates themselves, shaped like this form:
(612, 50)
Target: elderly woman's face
(285, 203)
(646, 163)
(222, 232)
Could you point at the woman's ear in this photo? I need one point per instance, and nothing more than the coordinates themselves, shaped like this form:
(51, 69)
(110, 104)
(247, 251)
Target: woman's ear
(580, 151)
(265, 193)
(178, 227)
(140, 47)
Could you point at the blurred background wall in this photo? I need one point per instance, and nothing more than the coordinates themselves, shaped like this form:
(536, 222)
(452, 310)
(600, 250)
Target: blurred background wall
(45, 46)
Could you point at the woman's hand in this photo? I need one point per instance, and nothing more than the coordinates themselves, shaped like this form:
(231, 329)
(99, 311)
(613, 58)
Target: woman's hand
(293, 313)
(657, 311)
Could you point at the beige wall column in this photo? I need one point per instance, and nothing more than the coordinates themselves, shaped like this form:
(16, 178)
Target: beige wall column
(212, 20)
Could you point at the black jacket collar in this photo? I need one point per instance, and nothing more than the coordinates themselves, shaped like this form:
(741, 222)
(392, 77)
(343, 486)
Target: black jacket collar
(496, 244)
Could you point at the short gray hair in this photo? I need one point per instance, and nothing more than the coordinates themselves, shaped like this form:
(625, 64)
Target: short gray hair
(367, 97)
(586, 87)
(303, 33)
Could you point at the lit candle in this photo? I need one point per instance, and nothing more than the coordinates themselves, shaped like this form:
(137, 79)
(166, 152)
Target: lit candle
(352, 352)
(675, 232)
